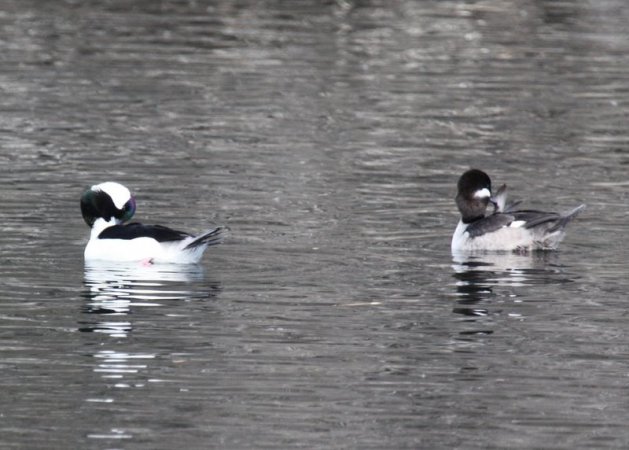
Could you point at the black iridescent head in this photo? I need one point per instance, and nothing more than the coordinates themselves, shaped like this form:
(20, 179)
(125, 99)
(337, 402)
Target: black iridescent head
(107, 200)
(474, 194)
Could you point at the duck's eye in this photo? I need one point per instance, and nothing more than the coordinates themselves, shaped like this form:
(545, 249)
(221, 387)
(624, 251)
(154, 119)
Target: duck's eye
(128, 210)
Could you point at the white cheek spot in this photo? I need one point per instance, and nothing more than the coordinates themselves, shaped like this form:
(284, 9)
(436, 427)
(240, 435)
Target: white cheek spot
(517, 223)
(482, 193)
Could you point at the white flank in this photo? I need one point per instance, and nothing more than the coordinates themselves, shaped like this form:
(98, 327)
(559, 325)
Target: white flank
(139, 249)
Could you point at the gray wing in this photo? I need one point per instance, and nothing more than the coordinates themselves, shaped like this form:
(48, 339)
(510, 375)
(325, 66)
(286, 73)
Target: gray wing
(535, 218)
(511, 205)
(500, 201)
(489, 224)
(553, 220)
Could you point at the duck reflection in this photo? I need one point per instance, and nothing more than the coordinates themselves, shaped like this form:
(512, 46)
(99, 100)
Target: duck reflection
(119, 297)
(112, 291)
(479, 275)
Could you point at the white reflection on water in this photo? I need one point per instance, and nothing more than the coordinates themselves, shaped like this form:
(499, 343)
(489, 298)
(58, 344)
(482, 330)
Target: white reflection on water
(113, 364)
(115, 289)
(115, 294)
(478, 275)
(505, 268)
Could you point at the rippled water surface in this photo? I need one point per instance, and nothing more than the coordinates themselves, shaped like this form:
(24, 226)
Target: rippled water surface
(328, 136)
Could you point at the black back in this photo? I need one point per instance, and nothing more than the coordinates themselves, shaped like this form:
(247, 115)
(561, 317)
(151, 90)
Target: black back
(137, 230)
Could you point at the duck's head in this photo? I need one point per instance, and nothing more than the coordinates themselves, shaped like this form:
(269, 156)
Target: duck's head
(474, 194)
(107, 201)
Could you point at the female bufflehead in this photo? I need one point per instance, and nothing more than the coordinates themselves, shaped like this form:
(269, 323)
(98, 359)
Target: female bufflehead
(107, 206)
(505, 228)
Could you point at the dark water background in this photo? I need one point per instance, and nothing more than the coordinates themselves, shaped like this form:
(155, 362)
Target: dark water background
(328, 135)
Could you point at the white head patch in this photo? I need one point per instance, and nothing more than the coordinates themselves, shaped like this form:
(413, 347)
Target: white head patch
(482, 193)
(118, 193)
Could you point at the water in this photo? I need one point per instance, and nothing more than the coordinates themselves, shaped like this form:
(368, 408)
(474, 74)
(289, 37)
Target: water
(328, 136)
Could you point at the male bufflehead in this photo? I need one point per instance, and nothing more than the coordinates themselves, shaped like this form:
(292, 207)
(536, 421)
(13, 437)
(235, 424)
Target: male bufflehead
(107, 206)
(505, 228)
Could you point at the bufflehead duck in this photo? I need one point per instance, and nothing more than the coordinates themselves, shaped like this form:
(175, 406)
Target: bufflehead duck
(107, 206)
(505, 228)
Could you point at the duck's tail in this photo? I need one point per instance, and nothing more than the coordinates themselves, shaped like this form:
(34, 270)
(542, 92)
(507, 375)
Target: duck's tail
(566, 218)
(211, 237)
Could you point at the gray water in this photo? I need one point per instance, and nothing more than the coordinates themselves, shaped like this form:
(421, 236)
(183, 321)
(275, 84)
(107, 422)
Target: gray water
(328, 136)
